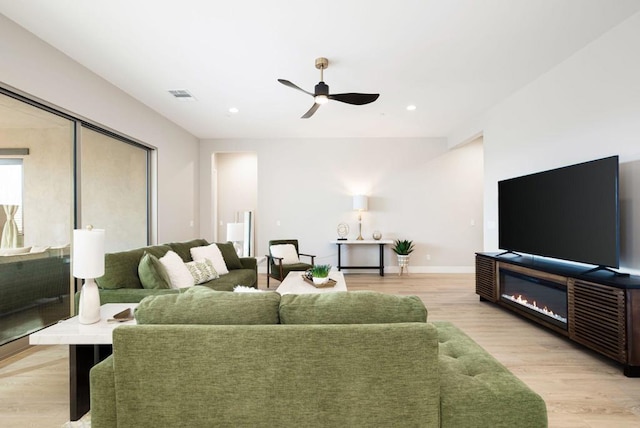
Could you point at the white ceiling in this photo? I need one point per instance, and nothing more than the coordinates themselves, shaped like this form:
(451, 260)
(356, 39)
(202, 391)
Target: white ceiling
(453, 59)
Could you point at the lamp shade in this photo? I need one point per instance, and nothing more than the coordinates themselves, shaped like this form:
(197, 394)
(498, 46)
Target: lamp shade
(88, 253)
(360, 203)
(235, 232)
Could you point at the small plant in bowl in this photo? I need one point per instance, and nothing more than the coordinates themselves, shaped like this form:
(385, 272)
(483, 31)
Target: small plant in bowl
(320, 273)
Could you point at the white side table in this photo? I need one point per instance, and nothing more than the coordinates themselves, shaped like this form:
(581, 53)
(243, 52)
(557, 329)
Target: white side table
(381, 243)
(88, 345)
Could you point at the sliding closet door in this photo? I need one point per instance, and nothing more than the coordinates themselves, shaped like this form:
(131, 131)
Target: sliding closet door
(36, 198)
(114, 189)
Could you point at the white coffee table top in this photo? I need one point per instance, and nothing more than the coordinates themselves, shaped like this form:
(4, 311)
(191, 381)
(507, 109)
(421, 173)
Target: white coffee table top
(294, 284)
(71, 332)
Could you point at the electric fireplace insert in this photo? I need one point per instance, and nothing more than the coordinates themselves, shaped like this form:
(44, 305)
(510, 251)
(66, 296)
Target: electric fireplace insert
(542, 298)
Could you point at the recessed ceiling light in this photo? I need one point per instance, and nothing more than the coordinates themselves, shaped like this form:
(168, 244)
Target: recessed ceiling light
(411, 107)
(233, 110)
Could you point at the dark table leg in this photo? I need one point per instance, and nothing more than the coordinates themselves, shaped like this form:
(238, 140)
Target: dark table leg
(81, 359)
(381, 259)
(339, 259)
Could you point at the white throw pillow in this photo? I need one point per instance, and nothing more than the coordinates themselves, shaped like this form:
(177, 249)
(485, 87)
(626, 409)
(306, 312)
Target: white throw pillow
(211, 252)
(245, 289)
(287, 252)
(178, 272)
(202, 271)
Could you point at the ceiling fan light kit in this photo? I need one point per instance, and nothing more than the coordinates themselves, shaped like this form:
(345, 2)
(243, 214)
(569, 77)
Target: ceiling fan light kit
(321, 93)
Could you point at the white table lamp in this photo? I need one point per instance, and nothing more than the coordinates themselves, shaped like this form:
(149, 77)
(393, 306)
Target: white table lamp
(360, 203)
(235, 234)
(88, 264)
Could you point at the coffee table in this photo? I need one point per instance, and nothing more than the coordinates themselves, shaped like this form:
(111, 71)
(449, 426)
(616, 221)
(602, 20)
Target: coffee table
(88, 345)
(294, 284)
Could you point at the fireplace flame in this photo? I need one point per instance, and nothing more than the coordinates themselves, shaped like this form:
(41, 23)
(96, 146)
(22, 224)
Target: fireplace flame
(534, 306)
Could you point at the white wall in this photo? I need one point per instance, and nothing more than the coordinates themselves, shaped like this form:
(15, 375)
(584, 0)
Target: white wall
(586, 108)
(418, 189)
(35, 68)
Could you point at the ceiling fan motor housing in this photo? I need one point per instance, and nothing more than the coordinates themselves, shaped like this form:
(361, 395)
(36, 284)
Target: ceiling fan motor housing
(321, 89)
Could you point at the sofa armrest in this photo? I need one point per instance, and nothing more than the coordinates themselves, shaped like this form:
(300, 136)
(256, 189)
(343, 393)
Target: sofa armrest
(103, 395)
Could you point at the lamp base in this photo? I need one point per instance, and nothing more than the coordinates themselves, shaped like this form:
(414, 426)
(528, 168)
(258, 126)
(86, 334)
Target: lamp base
(359, 238)
(89, 308)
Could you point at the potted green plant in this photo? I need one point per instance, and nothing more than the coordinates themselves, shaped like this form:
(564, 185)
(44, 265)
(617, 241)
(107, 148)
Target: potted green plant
(320, 274)
(403, 248)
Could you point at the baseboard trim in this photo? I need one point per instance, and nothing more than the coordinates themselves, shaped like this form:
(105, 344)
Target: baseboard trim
(13, 347)
(412, 269)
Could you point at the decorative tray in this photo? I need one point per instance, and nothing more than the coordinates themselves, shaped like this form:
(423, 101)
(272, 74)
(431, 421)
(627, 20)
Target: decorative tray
(330, 283)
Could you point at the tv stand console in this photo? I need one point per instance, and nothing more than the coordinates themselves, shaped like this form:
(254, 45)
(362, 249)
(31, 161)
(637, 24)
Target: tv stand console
(598, 309)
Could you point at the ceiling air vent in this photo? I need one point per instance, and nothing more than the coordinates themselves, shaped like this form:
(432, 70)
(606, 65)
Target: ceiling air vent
(182, 95)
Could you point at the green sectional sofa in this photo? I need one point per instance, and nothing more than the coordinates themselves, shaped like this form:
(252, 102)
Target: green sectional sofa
(121, 281)
(347, 359)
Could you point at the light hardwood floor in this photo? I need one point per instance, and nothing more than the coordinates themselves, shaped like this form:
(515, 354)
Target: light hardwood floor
(581, 389)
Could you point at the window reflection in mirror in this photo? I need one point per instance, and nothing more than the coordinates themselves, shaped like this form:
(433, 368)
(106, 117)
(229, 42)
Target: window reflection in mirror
(11, 232)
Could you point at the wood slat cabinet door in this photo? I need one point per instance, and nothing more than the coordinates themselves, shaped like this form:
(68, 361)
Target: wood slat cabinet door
(597, 318)
(486, 280)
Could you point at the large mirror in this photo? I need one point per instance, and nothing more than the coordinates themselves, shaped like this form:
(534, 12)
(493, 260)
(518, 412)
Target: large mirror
(36, 217)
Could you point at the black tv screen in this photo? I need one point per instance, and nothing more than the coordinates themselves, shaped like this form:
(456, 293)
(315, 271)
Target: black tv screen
(569, 213)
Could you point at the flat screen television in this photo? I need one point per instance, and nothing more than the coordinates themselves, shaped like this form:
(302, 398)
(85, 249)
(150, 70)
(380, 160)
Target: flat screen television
(570, 213)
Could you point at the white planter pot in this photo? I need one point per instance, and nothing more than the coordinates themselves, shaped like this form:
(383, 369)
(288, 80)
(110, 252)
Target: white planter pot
(403, 263)
(320, 281)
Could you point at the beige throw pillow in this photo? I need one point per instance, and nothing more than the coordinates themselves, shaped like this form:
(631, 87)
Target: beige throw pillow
(202, 271)
(287, 252)
(211, 252)
(178, 272)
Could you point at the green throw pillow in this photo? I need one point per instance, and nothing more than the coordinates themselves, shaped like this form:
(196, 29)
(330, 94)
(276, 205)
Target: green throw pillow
(201, 305)
(183, 249)
(350, 307)
(229, 255)
(152, 274)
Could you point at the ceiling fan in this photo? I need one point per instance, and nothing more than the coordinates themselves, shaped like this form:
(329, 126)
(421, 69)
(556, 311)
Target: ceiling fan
(321, 93)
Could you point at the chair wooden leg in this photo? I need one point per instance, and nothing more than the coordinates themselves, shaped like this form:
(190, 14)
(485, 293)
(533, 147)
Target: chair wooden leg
(268, 271)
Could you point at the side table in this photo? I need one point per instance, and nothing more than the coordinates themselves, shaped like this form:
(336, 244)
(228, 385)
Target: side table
(380, 243)
(88, 345)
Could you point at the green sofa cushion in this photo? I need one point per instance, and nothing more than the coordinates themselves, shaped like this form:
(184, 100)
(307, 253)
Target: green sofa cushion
(183, 249)
(318, 376)
(152, 274)
(229, 255)
(474, 387)
(201, 305)
(121, 269)
(350, 307)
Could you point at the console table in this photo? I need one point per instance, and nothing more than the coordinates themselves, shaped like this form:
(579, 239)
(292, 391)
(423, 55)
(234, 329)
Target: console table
(369, 242)
(602, 309)
(88, 345)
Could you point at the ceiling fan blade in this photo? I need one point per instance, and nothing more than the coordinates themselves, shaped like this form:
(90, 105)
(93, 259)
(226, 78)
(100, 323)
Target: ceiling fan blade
(291, 85)
(354, 98)
(312, 110)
